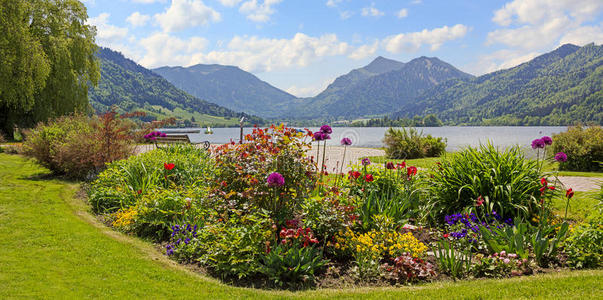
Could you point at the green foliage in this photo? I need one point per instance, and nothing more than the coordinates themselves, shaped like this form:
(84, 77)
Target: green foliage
(126, 181)
(453, 262)
(511, 239)
(292, 266)
(52, 48)
(546, 241)
(497, 266)
(506, 179)
(409, 144)
(583, 147)
(430, 120)
(326, 217)
(584, 245)
(234, 248)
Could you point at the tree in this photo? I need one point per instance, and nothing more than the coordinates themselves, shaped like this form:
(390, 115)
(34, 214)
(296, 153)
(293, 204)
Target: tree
(431, 120)
(53, 60)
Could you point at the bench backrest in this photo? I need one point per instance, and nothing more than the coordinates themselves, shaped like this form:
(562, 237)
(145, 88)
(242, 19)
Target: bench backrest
(175, 138)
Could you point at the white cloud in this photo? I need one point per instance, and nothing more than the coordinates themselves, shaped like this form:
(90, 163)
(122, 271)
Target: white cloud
(258, 12)
(539, 24)
(137, 19)
(417, 1)
(183, 14)
(583, 35)
(364, 51)
(344, 15)
(333, 3)
(107, 33)
(402, 13)
(413, 41)
(163, 49)
(371, 11)
(230, 3)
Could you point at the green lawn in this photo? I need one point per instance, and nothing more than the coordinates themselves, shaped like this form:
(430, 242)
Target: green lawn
(53, 248)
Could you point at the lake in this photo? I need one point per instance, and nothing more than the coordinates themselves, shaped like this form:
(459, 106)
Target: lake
(457, 136)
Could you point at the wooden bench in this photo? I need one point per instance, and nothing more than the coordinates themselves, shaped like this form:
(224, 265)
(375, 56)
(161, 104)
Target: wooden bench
(180, 139)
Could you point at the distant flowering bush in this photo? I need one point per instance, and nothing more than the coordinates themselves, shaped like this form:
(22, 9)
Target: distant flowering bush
(582, 147)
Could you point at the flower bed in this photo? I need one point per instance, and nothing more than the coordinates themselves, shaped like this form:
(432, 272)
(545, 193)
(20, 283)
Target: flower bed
(265, 213)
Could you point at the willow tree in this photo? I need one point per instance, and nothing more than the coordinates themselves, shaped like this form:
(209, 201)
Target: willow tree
(46, 60)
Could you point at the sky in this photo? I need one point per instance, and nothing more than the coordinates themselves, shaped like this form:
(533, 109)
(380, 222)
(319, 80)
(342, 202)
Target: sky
(301, 46)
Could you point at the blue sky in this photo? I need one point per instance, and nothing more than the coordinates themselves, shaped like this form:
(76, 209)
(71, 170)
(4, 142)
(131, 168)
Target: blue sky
(302, 45)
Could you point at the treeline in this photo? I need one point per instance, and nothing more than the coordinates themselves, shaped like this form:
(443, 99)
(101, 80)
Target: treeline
(430, 120)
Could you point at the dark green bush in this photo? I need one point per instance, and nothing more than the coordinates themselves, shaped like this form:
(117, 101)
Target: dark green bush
(409, 144)
(583, 147)
(584, 246)
(507, 181)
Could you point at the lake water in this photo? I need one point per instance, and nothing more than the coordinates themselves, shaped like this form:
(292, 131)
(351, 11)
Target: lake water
(458, 137)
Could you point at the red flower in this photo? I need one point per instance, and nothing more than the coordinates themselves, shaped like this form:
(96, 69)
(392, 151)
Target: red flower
(480, 201)
(369, 178)
(389, 165)
(402, 165)
(569, 193)
(168, 166)
(355, 174)
(445, 235)
(551, 188)
(543, 181)
(140, 192)
(411, 171)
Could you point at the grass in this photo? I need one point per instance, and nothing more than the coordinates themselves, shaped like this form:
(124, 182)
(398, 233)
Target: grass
(53, 248)
(582, 205)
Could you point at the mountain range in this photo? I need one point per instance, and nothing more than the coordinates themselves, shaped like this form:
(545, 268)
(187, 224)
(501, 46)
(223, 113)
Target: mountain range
(131, 87)
(556, 88)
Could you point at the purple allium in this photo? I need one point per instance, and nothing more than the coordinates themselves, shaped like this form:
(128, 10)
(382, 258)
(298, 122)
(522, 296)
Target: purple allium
(561, 157)
(326, 136)
(547, 140)
(326, 129)
(318, 136)
(162, 135)
(346, 141)
(537, 143)
(366, 161)
(275, 179)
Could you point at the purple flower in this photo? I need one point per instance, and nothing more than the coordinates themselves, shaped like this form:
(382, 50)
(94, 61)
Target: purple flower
(366, 161)
(318, 136)
(326, 136)
(275, 179)
(561, 157)
(537, 144)
(162, 135)
(346, 141)
(326, 129)
(547, 140)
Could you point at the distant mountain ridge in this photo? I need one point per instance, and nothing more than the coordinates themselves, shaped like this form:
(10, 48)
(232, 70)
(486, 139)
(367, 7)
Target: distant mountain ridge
(228, 86)
(131, 87)
(556, 88)
(376, 89)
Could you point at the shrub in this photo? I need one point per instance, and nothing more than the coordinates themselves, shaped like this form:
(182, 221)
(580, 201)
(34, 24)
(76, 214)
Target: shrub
(584, 246)
(2, 139)
(498, 265)
(582, 146)
(408, 144)
(408, 269)
(327, 216)
(231, 248)
(485, 179)
(127, 181)
(244, 170)
(78, 146)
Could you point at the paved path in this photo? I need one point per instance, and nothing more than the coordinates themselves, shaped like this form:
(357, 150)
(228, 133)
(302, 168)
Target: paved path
(581, 183)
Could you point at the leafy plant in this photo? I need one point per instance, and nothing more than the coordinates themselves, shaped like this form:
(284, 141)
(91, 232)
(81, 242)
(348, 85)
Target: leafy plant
(408, 269)
(511, 239)
(451, 261)
(507, 181)
(546, 241)
(584, 245)
(292, 265)
(499, 265)
(409, 144)
(583, 148)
